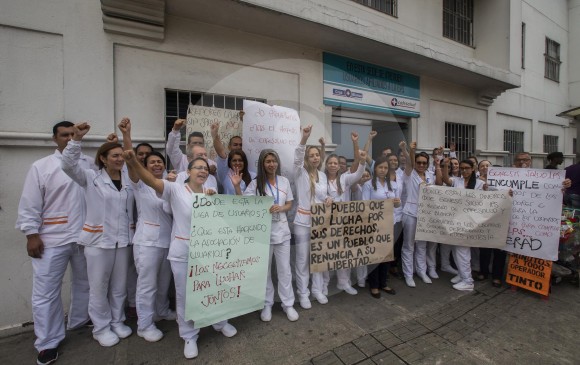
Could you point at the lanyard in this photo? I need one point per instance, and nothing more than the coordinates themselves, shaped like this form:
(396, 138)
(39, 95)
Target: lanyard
(277, 200)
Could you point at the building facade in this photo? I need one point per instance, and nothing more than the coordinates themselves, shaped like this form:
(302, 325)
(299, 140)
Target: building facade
(490, 76)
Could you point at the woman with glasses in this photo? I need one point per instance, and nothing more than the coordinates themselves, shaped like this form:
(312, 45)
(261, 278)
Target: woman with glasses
(180, 198)
(461, 254)
(413, 253)
(230, 164)
(499, 256)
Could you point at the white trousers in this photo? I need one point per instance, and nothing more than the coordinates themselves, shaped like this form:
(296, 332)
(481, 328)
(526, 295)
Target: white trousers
(320, 282)
(412, 250)
(153, 280)
(131, 280)
(343, 278)
(47, 310)
(107, 272)
(361, 274)
(444, 251)
(462, 257)
(282, 253)
(302, 264)
(187, 330)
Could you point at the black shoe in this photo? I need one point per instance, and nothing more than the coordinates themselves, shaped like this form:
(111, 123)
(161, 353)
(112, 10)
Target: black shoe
(47, 356)
(388, 290)
(376, 295)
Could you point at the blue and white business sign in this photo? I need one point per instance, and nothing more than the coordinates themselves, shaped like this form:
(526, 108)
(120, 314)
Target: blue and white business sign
(359, 85)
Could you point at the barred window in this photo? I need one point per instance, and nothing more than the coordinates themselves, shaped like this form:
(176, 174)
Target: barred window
(384, 6)
(550, 143)
(458, 21)
(552, 58)
(464, 137)
(513, 142)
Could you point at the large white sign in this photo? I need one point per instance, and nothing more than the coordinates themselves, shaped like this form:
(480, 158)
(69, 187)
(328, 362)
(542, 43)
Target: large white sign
(536, 210)
(463, 217)
(273, 127)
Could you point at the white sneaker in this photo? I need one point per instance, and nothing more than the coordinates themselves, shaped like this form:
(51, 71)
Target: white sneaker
(291, 313)
(305, 303)
(106, 338)
(151, 334)
(349, 290)
(321, 298)
(449, 269)
(456, 279)
(190, 349)
(325, 290)
(361, 284)
(463, 286)
(410, 282)
(171, 316)
(228, 330)
(433, 274)
(122, 330)
(425, 278)
(266, 315)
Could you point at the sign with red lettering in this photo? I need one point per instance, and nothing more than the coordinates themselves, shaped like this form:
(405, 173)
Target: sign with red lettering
(350, 234)
(529, 273)
(536, 209)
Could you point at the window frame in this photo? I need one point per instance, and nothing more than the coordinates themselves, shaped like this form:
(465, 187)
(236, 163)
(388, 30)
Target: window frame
(453, 18)
(552, 62)
(391, 7)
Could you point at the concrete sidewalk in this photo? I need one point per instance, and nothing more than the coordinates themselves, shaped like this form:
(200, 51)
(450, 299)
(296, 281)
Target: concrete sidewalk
(431, 324)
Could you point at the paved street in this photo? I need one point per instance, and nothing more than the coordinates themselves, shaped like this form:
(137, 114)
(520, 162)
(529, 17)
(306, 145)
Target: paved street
(431, 324)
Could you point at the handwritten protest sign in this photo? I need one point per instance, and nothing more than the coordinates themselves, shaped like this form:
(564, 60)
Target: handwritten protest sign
(273, 127)
(351, 234)
(200, 118)
(228, 257)
(529, 273)
(537, 206)
(463, 217)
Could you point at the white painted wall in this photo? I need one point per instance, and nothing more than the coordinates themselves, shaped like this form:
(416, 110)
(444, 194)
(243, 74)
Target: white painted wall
(58, 63)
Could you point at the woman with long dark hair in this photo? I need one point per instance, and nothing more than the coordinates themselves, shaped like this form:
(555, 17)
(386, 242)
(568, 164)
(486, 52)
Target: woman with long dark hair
(461, 254)
(381, 187)
(269, 182)
(230, 164)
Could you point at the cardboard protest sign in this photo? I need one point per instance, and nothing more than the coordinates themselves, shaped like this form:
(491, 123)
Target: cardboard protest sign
(537, 206)
(200, 118)
(529, 273)
(273, 127)
(351, 234)
(228, 257)
(463, 217)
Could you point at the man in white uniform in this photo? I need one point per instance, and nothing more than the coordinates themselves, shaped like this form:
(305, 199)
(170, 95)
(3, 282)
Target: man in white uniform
(51, 214)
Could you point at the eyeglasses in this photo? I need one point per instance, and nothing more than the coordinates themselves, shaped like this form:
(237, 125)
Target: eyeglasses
(420, 163)
(196, 144)
(523, 159)
(200, 168)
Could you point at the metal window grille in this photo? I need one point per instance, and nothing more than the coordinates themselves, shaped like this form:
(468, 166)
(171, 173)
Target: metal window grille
(523, 45)
(458, 20)
(550, 143)
(464, 137)
(513, 142)
(177, 101)
(384, 6)
(552, 60)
